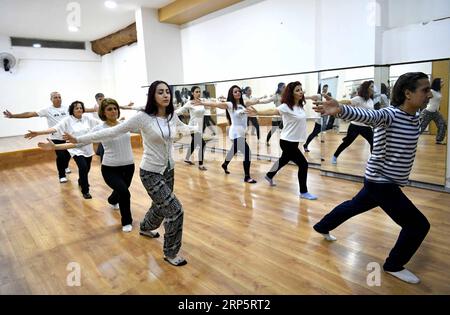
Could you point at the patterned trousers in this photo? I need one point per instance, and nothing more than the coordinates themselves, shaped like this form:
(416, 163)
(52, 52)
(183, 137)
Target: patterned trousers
(427, 117)
(165, 206)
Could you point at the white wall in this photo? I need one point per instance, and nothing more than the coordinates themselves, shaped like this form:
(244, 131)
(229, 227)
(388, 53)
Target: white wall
(345, 33)
(73, 73)
(120, 76)
(159, 48)
(268, 37)
(417, 42)
(405, 12)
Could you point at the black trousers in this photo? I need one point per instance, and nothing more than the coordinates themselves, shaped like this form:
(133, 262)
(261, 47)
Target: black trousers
(84, 166)
(240, 144)
(119, 179)
(208, 122)
(353, 132)
(255, 123)
(197, 140)
(292, 153)
(397, 206)
(275, 125)
(62, 159)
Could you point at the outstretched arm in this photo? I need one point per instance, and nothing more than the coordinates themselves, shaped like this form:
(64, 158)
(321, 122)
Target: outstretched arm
(222, 105)
(32, 134)
(8, 114)
(50, 146)
(346, 112)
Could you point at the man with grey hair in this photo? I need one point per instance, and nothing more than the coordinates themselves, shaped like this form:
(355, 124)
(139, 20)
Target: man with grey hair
(54, 115)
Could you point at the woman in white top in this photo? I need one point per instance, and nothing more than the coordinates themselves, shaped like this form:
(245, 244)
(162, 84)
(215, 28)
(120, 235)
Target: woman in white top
(294, 132)
(363, 100)
(276, 121)
(432, 112)
(76, 124)
(237, 114)
(196, 114)
(117, 162)
(247, 96)
(159, 126)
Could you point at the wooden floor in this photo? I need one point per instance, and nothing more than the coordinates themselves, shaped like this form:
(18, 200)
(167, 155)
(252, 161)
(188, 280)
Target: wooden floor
(238, 238)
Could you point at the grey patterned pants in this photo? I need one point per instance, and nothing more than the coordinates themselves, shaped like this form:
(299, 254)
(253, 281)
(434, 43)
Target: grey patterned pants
(165, 206)
(427, 117)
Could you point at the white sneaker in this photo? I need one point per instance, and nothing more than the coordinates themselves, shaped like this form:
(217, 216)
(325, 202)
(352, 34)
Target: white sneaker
(405, 275)
(115, 207)
(68, 171)
(127, 228)
(63, 180)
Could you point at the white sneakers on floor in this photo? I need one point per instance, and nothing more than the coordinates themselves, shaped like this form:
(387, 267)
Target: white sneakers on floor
(405, 275)
(68, 171)
(115, 207)
(329, 237)
(63, 180)
(127, 228)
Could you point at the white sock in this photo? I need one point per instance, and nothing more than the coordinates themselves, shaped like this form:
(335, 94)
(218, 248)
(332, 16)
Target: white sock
(405, 275)
(329, 237)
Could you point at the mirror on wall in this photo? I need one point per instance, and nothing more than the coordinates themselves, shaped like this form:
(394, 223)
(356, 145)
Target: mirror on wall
(337, 157)
(263, 133)
(430, 162)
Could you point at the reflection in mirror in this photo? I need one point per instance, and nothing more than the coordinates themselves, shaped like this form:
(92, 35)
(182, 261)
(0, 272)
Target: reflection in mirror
(429, 165)
(343, 151)
(269, 94)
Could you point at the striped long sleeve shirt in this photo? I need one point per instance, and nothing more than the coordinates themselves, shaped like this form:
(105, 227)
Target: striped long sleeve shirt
(396, 134)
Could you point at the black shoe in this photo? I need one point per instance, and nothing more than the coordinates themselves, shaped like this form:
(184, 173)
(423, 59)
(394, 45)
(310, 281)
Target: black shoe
(224, 166)
(87, 196)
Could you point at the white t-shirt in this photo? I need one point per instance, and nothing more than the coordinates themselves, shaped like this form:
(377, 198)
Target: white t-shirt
(196, 114)
(433, 104)
(78, 127)
(163, 126)
(358, 101)
(54, 115)
(294, 123)
(238, 121)
(118, 151)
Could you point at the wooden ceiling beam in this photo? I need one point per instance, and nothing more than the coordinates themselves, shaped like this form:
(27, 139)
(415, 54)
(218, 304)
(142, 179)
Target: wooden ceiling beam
(107, 44)
(183, 11)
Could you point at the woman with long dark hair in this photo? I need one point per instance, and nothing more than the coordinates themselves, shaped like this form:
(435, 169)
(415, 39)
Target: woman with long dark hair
(196, 117)
(363, 100)
(293, 132)
(237, 114)
(159, 126)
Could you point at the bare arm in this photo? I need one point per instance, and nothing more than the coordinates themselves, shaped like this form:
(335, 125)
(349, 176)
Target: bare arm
(8, 114)
(32, 134)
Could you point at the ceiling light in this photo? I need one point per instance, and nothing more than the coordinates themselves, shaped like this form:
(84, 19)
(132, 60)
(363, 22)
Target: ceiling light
(37, 45)
(73, 28)
(110, 4)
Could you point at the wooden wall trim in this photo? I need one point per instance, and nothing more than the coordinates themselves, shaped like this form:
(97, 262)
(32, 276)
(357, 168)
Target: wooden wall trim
(107, 44)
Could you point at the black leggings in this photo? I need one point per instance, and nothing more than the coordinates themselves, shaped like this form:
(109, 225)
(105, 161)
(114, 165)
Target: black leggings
(255, 123)
(275, 125)
(208, 122)
(119, 179)
(62, 159)
(197, 140)
(292, 153)
(240, 144)
(353, 131)
(84, 166)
